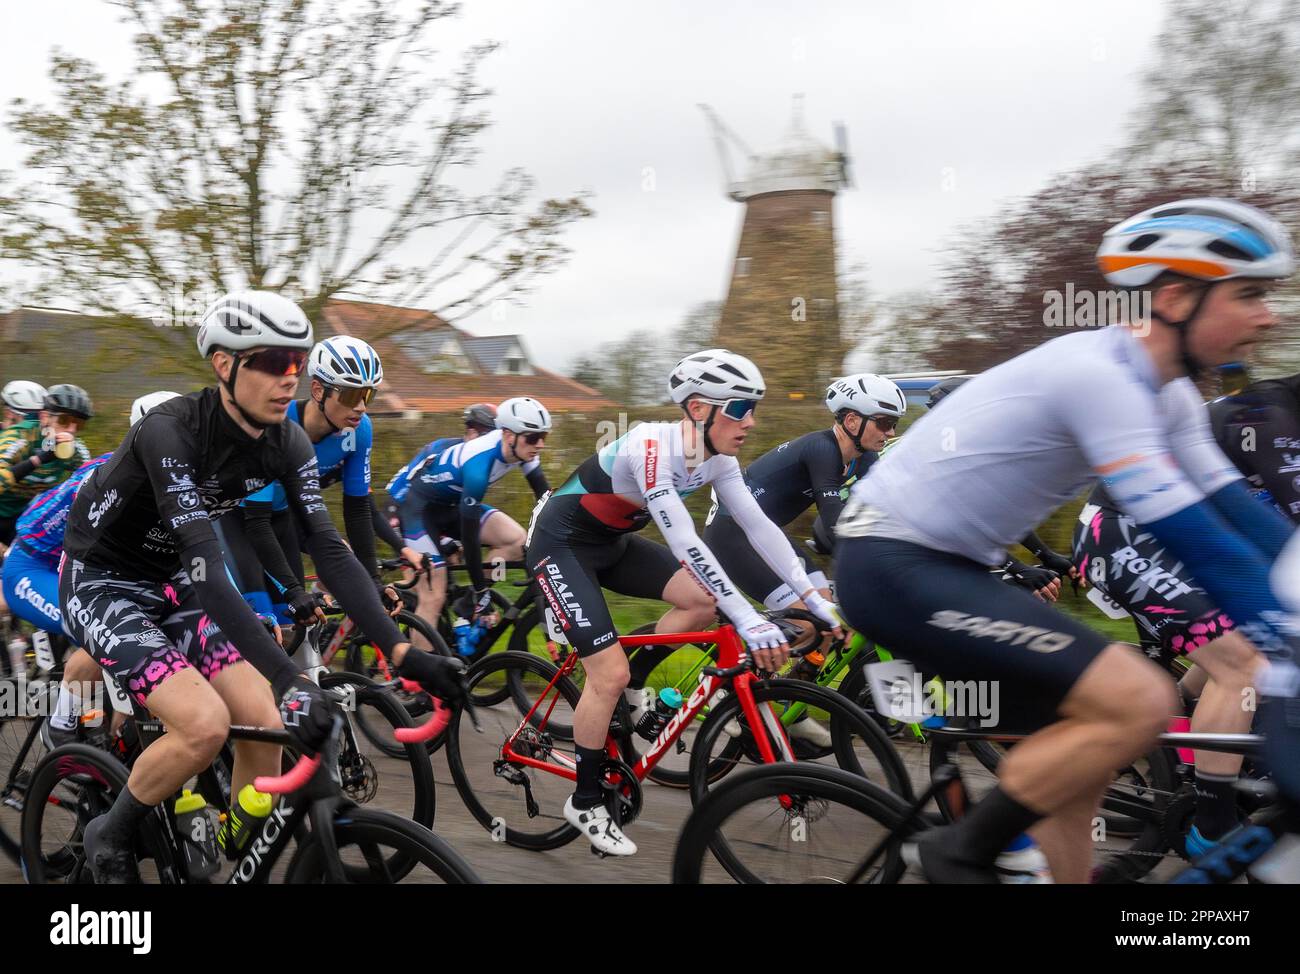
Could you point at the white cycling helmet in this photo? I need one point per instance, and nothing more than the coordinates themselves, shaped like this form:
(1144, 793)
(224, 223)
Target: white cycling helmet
(867, 394)
(253, 319)
(23, 396)
(715, 373)
(345, 361)
(523, 415)
(1207, 239)
(148, 402)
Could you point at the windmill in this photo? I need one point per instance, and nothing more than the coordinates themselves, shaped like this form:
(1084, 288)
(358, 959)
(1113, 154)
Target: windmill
(781, 308)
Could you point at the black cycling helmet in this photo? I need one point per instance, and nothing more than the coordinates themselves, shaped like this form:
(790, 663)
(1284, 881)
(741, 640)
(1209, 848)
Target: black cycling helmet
(942, 389)
(70, 399)
(482, 415)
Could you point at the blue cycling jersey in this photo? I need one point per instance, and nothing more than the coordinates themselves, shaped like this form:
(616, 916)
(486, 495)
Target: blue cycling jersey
(400, 485)
(344, 455)
(40, 527)
(462, 470)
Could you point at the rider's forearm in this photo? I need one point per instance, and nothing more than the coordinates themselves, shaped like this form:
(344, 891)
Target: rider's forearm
(384, 531)
(348, 582)
(361, 532)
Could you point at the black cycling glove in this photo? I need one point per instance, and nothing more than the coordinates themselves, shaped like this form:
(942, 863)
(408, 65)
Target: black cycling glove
(302, 605)
(442, 676)
(307, 712)
(1025, 576)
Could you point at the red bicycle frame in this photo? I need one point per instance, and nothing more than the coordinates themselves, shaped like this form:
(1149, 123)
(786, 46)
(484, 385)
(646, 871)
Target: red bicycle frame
(730, 653)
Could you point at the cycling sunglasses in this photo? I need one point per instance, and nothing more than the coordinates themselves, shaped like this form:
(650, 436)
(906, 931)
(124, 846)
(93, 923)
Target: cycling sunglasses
(276, 361)
(736, 409)
(884, 423)
(352, 397)
(532, 439)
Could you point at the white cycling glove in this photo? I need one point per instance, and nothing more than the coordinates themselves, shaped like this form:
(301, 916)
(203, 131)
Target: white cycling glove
(761, 634)
(823, 609)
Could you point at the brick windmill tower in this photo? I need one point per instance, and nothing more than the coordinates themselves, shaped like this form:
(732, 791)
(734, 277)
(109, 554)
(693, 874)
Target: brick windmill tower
(781, 307)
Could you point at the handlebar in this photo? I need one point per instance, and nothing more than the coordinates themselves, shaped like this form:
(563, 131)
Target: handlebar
(292, 780)
(432, 727)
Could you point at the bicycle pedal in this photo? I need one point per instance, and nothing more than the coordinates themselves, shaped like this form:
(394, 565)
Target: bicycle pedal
(597, 853)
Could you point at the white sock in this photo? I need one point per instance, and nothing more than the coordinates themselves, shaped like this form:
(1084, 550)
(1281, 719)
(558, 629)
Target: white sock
(66, 710)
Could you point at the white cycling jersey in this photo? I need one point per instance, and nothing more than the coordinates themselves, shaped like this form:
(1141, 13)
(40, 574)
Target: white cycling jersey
(999, 454)
(643, 476)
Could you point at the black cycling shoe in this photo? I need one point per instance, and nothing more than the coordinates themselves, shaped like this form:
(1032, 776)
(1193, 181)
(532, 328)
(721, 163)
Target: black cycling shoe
(109, 865)
(941, 864)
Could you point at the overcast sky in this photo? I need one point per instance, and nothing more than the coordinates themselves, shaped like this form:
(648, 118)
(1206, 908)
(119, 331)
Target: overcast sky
(996, 94)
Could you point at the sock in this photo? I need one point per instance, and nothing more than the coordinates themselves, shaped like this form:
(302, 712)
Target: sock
(989, 827)
(66, 709)
(1216, 804)
(588, 794)
(124, 818)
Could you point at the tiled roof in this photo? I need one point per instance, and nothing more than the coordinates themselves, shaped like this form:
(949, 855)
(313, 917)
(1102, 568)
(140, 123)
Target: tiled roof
(490, 350)
(408, 387)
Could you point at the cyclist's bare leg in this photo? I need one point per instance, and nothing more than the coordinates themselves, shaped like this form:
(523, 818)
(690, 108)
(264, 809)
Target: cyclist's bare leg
(197, 724)
(692, 609)
(504, 539)
(1068, 857)
(430, 594)
(1112, 715)
(80, 674)
(248, 697)
(1225, 705)
(606, 675)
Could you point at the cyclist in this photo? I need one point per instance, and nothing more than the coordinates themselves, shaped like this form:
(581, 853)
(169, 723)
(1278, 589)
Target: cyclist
(264, 543)
(36, 454)
(919, 532)
(1259, 430)
(479, 418)
(444, 497)
(143, 586)
(30, 581)
(583, 538)
(23, 400)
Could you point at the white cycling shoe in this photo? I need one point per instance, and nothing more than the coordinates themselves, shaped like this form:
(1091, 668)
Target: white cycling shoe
(812, 731)
(599, 828)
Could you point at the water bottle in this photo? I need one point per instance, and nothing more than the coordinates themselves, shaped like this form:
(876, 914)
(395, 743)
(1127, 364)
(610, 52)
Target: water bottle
(198, 841)
(460, 629)
(807, 666)
(245, 821)
(654, 720)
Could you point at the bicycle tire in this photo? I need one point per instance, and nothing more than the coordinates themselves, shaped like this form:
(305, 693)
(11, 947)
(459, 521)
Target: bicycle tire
(802, 783)
(102, 778)
(423, 803)
(21, 751)
(499, 824)
(375, 829)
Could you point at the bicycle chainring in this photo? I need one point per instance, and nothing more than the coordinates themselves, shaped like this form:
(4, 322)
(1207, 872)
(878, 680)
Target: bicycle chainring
(622, 791)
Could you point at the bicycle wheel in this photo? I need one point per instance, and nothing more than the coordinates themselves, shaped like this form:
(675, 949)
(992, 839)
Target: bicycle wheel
(519, 804)
(21, 751)
(792, 823)
(1130, 833)
(367, 772)
(72, 785)
(369, 841)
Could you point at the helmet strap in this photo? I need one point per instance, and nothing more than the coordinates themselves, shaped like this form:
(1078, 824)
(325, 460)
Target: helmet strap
(230, 388)
(855, 440)
(320, 404)
(1191, 366)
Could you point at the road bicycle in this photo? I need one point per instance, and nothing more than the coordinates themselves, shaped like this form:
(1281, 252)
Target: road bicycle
(515, 782)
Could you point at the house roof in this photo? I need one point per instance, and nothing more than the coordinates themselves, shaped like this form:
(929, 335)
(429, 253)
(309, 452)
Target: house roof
(408, 387)
(490, 350)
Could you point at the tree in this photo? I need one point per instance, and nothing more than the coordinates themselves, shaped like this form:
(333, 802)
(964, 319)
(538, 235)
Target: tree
(284, 144)
(1225, 89)
(633, 370)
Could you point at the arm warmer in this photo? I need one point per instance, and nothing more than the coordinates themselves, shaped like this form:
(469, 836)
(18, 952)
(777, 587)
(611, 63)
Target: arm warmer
(361, 532)
(1260, 523)
(537, 481)
(383, 530)
(261, 536)
(344, 576)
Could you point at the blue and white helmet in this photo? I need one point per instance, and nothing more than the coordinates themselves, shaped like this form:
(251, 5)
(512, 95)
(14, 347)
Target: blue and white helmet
(1208, 239)
(345, 361)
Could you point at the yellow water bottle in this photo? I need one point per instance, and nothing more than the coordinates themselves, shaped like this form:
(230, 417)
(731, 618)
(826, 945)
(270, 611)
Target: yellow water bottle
(194, 825)
(246, 817)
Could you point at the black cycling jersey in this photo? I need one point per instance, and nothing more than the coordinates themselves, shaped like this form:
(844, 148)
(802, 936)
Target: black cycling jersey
(146, 513)
(799, 472)
(1259, 430)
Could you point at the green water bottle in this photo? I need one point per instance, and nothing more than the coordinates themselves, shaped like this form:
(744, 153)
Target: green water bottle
(246, 817)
